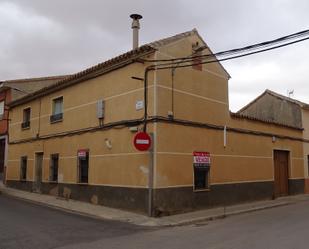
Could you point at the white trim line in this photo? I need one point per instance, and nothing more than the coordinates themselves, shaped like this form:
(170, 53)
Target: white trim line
(91, 156)
(175, 186)
(217, 183)
(120, 154)
(175, 153)
(213, 155)
(14, 160)
(91, 184)
(193, 95)
(243, 156)
(233, 182)
(145, 153)
(67, 157)
(87, 104)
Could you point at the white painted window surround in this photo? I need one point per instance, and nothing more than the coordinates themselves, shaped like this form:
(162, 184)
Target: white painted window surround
(1, 109)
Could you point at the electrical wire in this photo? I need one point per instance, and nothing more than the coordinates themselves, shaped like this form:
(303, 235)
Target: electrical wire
(172, 65)
(242, 49)
(185, 62)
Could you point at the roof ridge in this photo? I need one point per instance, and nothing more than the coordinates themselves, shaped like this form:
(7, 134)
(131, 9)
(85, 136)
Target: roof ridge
(164, 41)
(244, 116)
(278, 95)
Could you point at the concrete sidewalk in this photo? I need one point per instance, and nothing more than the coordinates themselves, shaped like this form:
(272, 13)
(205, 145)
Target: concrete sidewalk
(102, 212)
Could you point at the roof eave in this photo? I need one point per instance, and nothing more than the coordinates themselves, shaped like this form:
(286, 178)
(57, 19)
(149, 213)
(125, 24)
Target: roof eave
(81, 76)
(251, 102)
(254, 119)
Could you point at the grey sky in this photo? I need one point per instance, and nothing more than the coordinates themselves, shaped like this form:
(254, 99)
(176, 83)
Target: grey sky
(41, 37)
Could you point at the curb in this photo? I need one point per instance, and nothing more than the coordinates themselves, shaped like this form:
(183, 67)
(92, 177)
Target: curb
(81, 213)
(222, 216)
(67, 210)
(156, 222)
(227, 214)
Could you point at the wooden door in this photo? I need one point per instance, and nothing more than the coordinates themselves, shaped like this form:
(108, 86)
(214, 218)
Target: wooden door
(281, 173)
(38, 172)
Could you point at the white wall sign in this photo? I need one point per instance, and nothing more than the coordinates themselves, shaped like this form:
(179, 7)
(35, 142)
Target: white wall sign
(139, 105)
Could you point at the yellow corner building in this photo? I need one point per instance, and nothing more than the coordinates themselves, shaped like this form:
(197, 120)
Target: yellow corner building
(74, 138)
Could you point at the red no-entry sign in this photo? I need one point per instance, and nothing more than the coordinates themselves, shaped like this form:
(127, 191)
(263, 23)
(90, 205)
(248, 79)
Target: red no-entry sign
(142, 141)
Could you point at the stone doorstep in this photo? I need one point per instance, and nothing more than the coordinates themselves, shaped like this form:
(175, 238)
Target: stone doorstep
(101, 212)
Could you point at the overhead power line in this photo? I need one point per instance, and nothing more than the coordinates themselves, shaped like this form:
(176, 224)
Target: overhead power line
(217, 57)
(214, 58)
(240, 52)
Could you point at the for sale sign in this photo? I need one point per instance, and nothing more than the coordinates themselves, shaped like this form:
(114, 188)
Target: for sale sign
(201, 158)
(82, 154)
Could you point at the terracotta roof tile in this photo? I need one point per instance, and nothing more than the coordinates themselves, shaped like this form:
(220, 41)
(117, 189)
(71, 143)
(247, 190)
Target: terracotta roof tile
(26, 80)
(135, 54)
(71, 79)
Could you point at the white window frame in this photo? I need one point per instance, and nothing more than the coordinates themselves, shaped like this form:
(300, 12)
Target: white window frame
(2, 109)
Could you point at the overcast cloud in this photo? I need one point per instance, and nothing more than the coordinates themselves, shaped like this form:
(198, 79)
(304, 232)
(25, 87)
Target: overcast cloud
(41, 37)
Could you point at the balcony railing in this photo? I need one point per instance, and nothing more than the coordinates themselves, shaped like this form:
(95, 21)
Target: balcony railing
(56, 117)
(25, 124)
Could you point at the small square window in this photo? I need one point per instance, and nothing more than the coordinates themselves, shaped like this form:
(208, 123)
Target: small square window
(57, 112)
(23, 168)
(83, 165)
(26, 118)
(54, 163)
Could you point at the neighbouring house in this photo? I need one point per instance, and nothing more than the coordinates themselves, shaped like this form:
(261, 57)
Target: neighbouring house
(11, 90)
(279, 108)
(78, 141)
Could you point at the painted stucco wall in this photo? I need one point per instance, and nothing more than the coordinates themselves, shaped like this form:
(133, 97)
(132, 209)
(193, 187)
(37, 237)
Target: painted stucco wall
(202, 96)
(199, 96)
(120, 93)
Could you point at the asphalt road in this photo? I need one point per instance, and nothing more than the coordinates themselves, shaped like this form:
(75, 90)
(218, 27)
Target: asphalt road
(25, 225)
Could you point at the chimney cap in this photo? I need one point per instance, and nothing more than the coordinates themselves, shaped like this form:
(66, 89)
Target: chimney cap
(136, 16)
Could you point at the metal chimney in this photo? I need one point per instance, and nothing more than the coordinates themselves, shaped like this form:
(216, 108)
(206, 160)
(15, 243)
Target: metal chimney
(135, 27)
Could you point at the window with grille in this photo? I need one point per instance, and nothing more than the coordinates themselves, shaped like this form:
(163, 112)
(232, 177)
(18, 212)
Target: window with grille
(83, 166)
(201, 177)
(23, 168)
(26, 118)
(57, 112)
(54, 164)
